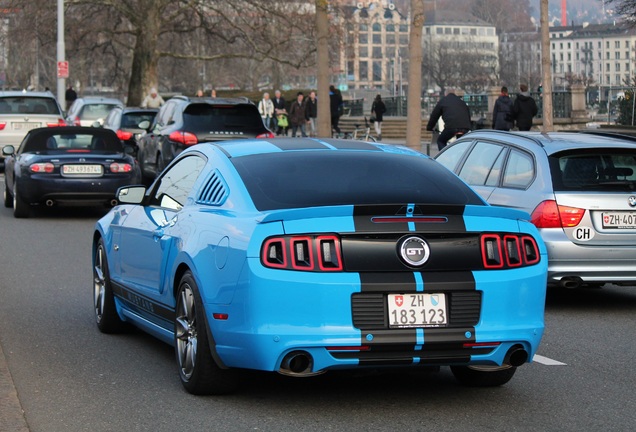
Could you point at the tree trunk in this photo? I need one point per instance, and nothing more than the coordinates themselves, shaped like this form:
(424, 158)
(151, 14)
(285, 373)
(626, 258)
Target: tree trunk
(546, 72)
(145, 59)
(323, 66)
(414, 104)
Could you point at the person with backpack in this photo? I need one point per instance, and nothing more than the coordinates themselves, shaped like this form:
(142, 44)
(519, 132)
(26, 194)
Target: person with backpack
(503, 115)
(524, 109)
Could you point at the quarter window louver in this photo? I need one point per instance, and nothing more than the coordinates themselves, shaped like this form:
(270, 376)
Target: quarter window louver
(214, 192)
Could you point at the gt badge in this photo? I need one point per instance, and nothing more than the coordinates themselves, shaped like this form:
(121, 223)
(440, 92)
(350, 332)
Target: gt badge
(414, 251)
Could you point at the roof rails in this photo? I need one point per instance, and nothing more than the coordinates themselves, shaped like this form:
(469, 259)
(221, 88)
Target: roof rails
(611, 134)
(511, 133)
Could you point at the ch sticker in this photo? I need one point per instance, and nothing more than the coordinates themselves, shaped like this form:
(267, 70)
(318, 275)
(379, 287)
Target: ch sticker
(584, 233)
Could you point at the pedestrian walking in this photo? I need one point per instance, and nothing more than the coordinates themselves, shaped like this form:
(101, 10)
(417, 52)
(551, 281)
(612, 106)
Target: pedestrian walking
(298, 115)
(456, 116)
(336, 106)
(266, 109)
(377, 111)
(502, 115)
(312, 113)
(280, 111)
(524, 109)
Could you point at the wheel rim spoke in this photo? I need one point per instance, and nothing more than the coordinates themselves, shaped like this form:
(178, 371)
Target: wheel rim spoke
(99, 283)
(185, 332)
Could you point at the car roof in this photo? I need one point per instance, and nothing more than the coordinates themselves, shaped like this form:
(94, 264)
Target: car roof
(237, 148)
(26, 94)
(215, 101)
(70, 130)
(138, 109)
(554, 142)
(99, 99)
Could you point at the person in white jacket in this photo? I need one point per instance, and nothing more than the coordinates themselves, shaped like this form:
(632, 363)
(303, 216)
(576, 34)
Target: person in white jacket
(266, 108)
(153, 100)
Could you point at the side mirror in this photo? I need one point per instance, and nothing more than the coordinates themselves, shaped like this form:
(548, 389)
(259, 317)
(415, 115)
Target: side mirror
(8, 150)
(131, 194)
(144, 125)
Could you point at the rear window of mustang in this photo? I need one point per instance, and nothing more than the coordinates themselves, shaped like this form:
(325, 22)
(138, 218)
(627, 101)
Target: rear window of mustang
(297, 180)
(55, 143)
(600, 170)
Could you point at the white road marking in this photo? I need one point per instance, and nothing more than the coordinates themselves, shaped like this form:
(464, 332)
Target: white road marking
(547, 361)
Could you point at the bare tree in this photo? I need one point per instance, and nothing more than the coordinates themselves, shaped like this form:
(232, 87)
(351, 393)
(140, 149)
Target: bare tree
(322, 33)
(546, 70)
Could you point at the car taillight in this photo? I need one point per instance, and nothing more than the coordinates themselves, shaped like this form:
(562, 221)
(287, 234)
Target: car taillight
(60, 122)
(266, 135)
(303, 252)
(123, 135)
(185, 138)
(120, 167)
(550, 215)
(499, 251)
(47, 167)
(2, 125)
(77, 122)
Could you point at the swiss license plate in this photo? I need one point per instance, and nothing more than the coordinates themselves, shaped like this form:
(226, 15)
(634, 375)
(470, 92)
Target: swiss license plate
(619, 220)
(25, 126)
(82, 169)
(417, 310)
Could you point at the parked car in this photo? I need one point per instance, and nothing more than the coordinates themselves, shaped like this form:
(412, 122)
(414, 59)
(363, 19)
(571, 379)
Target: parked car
(301, 256)
(580, 189)
(64, 166)
(183, 122)
(89, 111)
(22, 111)
(129, 124)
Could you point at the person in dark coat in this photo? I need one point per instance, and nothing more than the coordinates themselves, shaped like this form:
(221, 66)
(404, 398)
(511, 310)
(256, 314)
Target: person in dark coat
(70, 96)
(456, 116)
(377, 110)
(279, 110)
(336, 105)
(502, 114)
(298, 115)
(312, 112)
(524, 109)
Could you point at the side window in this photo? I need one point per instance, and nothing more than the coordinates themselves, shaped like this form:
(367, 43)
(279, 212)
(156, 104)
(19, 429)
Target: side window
(519, 170)
(495, 173)
(177, 182)
(165, 114)
(480, 163)
(451, 156)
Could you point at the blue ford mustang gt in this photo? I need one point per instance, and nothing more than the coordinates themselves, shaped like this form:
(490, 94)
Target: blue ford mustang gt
(304, 255)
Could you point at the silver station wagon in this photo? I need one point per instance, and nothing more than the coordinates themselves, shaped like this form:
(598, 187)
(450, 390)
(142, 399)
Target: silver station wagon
(579, 189)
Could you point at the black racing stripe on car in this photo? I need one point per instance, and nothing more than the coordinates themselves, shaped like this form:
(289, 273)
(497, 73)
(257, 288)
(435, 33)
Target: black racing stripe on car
(368, 218)
(448, 281)
(398, 282)
(389, 338)
(363, 214)
(452, 337)
(142, 304)
(295, 144)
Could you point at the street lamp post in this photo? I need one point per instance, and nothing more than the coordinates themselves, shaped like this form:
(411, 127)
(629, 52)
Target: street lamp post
(61, 82)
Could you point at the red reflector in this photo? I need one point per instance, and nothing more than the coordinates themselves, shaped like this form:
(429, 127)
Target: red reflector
(123, 135)
(60, 122)
(349, 348)
(481, 344)
(416, 219)
(77, 122)
(2, 125)
(185, 138)
(220, 316)
(266, 135)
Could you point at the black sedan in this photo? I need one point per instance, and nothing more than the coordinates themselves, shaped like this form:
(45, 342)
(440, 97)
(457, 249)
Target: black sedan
(66, 166)
(129, 123)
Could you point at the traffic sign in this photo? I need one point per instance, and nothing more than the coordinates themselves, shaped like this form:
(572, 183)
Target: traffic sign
(62, 69)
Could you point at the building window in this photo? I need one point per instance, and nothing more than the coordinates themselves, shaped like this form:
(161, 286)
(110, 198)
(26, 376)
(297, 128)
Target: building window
(363, 38)
(377, 38)
(626, 67)
(448, 30)
(473, 31)
(404, 39)
(618, 79)
(618, 67)
(377, 71)
(364, 51)
(577, 45)
(617, 55)
(404, 28)
(607, 44)
(490, 31)
(364, 27)
(626, 54)
(376, 27)
(391, 27)
(439, 30)
(607, 67)
(377, 52)
(364, 70)
(390, 39)
(569, 56)
(599, 45)
(617, 44)
(561, 45)
(607, 55)
(569, 45)
(455, 30)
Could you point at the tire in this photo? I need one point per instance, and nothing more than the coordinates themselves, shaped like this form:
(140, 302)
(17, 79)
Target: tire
(8, 198)
(21, 209)
(471, 376)
(106, 317)
(199, 373)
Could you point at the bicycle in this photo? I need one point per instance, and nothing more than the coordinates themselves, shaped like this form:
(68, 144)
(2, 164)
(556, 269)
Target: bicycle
(365, 134)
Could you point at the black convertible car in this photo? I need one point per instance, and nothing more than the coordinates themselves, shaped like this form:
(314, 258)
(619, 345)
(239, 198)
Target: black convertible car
(66, 165)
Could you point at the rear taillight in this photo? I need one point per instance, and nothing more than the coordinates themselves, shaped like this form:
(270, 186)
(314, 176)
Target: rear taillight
(41, 167)
(123, 135)
(548, 214)
(2, 125)
(303, 252)
(120, 167)
(60, 122)
(266, 135)
(185, 138)
(77, 122)
(500, 251)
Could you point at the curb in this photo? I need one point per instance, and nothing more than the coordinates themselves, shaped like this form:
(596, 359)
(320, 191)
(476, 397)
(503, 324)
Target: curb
(11, 412)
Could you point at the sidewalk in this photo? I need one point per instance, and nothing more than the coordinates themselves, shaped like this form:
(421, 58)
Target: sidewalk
(11, 414)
